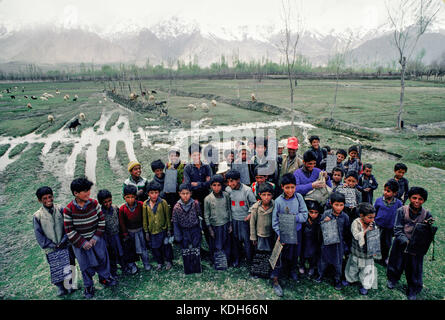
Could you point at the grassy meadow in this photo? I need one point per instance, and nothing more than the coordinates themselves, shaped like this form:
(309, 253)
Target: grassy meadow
(30, 163)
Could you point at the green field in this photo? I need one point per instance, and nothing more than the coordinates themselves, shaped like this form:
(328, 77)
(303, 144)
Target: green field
(53, 156)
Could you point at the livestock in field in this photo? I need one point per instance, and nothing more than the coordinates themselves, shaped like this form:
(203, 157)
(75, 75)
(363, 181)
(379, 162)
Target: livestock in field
(214, 103)
(29, 106)
(153, 92)
(252, 96)
(12, 97)
(74, 124)
(82, 116)
(57, 91)
(44, 98)
(133, 96)
(33, 97)
(66, 97)
(151, 97)
(205, 107)
(26, 97)
(50, 118)
(191, 107)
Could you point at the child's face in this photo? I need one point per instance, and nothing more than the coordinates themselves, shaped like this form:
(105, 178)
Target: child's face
(337, 207)
(310, 165)
(315, 143)
(336, 176)
(388, 193)
(136, 171)
(280, 151)
(243, 155)
(340, 157)
(289, 190)
(216, 187)
(173, 158)
(185, 195)
(47, 200)
(260, 179)
(351, 182)
(369, 218)
(399, 173)
(266, 197)
(416, 201)
(107, 203)
(292, 152)
(251, 145)
(153, 194)
(159, 172)
(260, 150)
(230, 158)
(196, 157)
(353, 154)
(313, 214)
(82, 195)
(233, 183)
(130, 199)
(367, 172)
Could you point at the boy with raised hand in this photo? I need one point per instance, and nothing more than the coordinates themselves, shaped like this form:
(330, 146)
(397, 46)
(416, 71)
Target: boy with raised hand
(360, 265)
(399, 171)
(307, 176)
(399, 259)
(332, 254)
(131, 226)
(386, 208)
(218, 217)
(84, 223)
(135, 179)
(242, 198)
(49, 231)
(288, 203)
(157, 224)
(320, 153)
(367, 183)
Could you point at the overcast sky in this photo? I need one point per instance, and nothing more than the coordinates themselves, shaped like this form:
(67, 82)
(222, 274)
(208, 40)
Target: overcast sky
(98, 15)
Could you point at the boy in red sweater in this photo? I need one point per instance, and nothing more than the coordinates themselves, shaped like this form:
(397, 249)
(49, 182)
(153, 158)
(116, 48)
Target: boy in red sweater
(84, 224)
(130, 220)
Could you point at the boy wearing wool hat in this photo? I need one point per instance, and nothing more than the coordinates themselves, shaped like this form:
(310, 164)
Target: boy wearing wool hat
(135, 179)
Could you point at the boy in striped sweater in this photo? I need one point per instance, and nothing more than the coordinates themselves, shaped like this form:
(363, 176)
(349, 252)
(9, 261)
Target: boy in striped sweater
(84, 223)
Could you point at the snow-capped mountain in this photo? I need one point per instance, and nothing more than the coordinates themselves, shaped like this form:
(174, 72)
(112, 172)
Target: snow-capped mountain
(174, 38)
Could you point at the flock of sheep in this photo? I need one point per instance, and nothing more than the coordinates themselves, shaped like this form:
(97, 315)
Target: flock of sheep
(44, 97)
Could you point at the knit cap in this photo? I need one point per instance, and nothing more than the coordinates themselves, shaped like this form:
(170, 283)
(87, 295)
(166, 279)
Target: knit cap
(132, 164)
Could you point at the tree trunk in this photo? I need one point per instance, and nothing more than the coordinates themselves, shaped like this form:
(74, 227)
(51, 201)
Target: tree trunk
(335, 96)
(402, 92)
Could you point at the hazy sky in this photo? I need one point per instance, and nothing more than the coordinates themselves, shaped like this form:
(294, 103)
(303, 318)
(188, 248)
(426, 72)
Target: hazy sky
(112, 15)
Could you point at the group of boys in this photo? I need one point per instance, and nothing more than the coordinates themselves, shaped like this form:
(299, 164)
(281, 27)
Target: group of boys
(239, 208)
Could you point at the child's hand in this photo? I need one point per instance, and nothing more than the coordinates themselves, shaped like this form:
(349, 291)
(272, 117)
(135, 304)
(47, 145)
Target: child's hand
(93, 242)
(254, 242)
(87, 245)
(147, 237)
(230, 229)
(367, 189)
(327, 219)
(280, 241)
(194, 184)
(212, 233)
(247, 218)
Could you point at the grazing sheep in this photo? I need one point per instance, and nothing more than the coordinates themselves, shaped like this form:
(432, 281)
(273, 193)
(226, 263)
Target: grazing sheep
(26, 97)
(50, 118)
(133, 96)
(48, 95)
(29, 106)
(74, 99)
(82, 116)
(105, 99)
(100, 101)
(12, 97)
(205, 107)
(66, 97)
(1, 96)
(191, 107)
(44, 98)
(214, 103)
(151, 97)
(57, 91)
(153, 92)
(253, 97)
(33, 97)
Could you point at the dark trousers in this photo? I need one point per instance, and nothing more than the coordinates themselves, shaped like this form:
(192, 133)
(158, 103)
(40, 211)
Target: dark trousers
(163, 253)
(323, 265)
(386, 236)
(221, 241)
(102, 270)
(352, 214)
(411, 264)
(241, 241)
(288, 259)
(200, 195)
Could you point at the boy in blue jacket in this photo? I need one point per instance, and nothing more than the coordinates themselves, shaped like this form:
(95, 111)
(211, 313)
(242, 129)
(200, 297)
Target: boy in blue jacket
(367, 184)
(289, 202)
(386, 208)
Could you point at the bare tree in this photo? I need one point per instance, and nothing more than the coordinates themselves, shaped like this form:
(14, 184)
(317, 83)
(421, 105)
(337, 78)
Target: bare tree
(410, 19)
(290, 36)
(339, 61)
